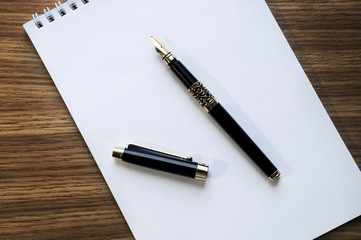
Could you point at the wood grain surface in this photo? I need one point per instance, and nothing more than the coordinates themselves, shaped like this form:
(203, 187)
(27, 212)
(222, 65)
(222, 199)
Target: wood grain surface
(50, 186)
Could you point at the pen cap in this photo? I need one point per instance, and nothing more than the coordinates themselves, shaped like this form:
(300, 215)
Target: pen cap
(162, 161)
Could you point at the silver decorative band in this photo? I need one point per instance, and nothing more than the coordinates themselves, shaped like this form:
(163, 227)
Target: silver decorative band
(274, 176)
(203, 96)
(201, 172)
(118, 152)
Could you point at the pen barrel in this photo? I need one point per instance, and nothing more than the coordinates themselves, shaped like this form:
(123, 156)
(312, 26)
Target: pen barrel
(183, 168)
(240, 137)
(223, 118)
(185, 76)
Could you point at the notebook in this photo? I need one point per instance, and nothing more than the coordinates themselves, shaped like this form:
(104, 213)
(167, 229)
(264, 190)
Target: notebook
(102, 60)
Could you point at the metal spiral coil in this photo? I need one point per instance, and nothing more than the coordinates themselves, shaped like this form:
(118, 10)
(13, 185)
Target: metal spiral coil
(49, 14)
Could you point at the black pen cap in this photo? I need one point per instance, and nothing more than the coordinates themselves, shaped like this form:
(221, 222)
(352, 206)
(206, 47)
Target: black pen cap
(162, 161)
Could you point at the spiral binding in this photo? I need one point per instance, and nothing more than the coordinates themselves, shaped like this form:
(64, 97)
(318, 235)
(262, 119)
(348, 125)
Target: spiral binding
(60, 8)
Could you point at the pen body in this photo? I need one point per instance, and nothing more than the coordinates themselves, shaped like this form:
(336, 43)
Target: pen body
(183, 74)
(240, 137)
(165, 164)
(224, 119)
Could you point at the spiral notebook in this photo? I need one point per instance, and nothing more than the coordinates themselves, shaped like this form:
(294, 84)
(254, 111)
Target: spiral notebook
(100, 56)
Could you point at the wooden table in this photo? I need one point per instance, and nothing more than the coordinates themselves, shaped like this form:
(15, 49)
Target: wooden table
(50, 186)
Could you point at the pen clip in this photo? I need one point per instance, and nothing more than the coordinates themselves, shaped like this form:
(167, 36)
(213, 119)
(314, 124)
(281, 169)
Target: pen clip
(159, 153)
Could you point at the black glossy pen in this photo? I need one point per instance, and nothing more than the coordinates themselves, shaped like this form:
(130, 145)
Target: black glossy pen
(162, 161)
(218, 113)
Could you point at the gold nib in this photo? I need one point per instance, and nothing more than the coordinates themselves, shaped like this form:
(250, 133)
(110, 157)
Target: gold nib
(160, 48)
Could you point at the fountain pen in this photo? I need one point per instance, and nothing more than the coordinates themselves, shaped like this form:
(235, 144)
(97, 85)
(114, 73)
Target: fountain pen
(217, 112)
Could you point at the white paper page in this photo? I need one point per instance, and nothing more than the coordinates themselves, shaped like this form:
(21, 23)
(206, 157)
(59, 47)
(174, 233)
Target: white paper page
(118, 91)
